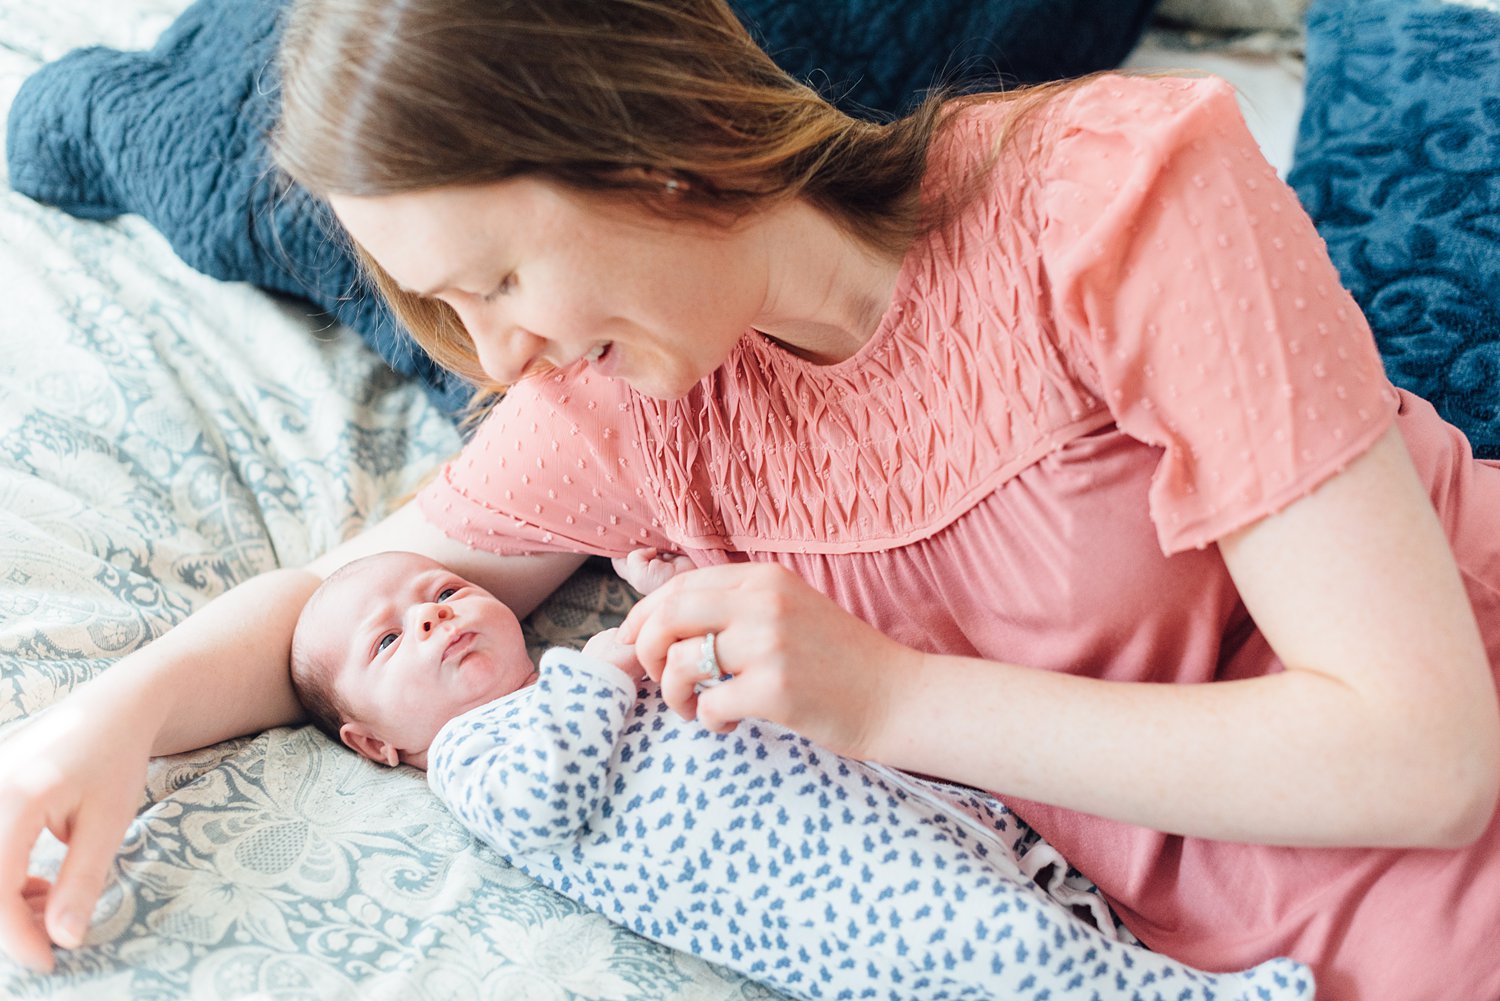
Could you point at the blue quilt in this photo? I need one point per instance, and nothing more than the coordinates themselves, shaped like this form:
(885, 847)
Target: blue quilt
(175, 134)
(1398, 162)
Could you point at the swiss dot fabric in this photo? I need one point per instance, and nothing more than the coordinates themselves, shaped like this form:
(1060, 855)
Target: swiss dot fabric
(818, 875)
(1132, 259)
(1201, 297)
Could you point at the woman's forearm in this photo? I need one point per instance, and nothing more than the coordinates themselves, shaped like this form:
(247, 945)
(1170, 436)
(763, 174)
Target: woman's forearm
(1285, 759)
(1383, 730)
(223, 672)
(219, 674)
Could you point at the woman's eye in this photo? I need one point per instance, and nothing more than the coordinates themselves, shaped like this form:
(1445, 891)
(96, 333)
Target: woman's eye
(507, 284)
(447, 593)
(385, 641)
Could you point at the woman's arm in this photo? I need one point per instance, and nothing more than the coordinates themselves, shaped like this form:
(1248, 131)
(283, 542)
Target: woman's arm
(78, 769)
(1383, 730)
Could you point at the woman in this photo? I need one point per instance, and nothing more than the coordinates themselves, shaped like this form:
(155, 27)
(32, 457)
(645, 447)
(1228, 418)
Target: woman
(1001, 357)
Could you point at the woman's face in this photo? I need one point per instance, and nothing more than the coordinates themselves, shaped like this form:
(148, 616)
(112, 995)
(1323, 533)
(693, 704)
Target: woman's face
(541, 274)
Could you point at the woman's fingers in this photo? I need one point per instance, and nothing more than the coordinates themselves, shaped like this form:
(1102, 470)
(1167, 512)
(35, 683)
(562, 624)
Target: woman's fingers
(680, 677)
(86, 801)
(35, 892)
(92, 844)
(722, 707)
(708, 599)
(727, 576)
(22, 935)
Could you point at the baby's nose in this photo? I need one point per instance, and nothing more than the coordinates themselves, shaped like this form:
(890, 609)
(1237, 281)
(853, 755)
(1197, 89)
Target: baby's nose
(430, 615)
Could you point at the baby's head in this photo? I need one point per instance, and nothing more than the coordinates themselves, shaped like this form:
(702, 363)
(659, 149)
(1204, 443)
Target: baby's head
(392, 646)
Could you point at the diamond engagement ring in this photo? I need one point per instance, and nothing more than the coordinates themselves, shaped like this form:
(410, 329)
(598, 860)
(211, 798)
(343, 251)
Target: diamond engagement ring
(708, 660)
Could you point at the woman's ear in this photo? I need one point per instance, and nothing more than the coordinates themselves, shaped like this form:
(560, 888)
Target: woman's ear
(359, 739)
(668, 182)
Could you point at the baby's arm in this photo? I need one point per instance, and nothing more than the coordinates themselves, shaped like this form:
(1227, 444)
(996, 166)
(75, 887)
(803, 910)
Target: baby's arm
(526, 774)
(649, 568)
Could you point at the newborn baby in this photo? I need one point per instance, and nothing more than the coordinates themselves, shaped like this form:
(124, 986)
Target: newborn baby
(816, 875)
(394, 645)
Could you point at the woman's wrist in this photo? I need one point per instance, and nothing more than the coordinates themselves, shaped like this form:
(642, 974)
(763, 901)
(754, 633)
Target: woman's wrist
(886, 728)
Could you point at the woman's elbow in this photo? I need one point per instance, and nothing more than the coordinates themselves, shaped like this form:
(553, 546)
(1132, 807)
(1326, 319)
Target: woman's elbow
(1461, 795)
(1471, 801)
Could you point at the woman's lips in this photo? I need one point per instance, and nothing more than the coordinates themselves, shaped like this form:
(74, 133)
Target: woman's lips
(603, 361)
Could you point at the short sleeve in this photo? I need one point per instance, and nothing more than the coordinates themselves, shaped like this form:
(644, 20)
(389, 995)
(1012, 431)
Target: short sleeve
(554, 467)
(1189, 285)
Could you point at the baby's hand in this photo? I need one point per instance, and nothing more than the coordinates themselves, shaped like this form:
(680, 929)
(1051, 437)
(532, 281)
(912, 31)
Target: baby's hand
(648, 569)
(607, 648)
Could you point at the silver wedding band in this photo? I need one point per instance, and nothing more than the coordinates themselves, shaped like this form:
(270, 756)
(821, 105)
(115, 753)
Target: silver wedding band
(708, 659)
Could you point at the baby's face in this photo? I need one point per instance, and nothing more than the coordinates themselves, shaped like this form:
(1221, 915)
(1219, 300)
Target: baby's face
(412, 645)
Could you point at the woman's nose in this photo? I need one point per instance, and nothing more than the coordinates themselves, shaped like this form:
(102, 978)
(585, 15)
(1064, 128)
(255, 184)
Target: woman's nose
(505, 351)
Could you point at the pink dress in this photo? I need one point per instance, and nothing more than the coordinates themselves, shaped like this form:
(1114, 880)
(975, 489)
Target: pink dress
(1128, 345)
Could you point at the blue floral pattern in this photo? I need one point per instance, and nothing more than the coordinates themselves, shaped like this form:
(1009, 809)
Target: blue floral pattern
(1398, 162)
(163, 436)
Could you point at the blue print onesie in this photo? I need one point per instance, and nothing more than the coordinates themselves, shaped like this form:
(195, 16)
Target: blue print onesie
(817, 875)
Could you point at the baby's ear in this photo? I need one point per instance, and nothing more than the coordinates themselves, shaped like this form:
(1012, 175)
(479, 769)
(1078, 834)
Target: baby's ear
(358, 738)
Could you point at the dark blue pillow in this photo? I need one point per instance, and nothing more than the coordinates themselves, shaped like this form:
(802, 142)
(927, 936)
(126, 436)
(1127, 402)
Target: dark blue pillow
(879, 55)
(1398, 162)
(176, 134)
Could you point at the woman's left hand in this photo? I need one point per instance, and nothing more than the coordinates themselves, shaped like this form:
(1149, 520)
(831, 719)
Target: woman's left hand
(790, 655)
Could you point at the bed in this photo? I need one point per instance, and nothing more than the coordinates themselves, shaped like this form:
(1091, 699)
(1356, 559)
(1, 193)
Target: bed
(164, 435)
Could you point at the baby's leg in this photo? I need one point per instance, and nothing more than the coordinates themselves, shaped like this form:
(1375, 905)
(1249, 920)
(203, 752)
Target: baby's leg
(829, 878)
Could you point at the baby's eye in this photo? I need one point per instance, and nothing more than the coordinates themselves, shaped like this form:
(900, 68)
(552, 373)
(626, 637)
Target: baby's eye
(385, 641)
(447, 593)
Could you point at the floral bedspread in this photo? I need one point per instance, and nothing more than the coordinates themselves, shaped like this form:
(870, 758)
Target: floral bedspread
(164, 436)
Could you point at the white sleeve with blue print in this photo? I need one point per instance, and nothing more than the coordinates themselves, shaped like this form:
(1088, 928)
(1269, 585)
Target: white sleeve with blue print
(817, 875)
(526, 772)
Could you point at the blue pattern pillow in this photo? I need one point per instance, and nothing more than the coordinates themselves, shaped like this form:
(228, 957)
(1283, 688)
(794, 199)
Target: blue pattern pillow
(176, 134)
(1398, 162)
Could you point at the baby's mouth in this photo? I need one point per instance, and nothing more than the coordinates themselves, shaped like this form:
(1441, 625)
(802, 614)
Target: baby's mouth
(456, 648)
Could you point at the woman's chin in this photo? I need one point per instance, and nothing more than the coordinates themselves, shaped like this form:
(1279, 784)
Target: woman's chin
(656, 389)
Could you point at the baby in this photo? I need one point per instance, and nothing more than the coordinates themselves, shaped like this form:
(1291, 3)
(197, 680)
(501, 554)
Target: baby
(816, 875)
(394, 645)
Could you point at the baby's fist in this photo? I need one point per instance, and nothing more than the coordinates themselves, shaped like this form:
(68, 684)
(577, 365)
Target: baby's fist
(604, 646)
(648, 569)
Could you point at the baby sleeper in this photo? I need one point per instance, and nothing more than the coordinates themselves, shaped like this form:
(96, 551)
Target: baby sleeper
(818, 875)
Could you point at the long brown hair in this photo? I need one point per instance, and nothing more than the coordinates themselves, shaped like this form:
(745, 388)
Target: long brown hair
(389, 96)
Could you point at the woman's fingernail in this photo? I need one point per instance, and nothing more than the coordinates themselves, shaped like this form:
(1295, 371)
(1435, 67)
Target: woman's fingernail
(70, 929)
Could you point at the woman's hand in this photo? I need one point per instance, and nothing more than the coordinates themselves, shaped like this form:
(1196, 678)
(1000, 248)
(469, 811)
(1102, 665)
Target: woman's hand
(77, 771)
(791, 655)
